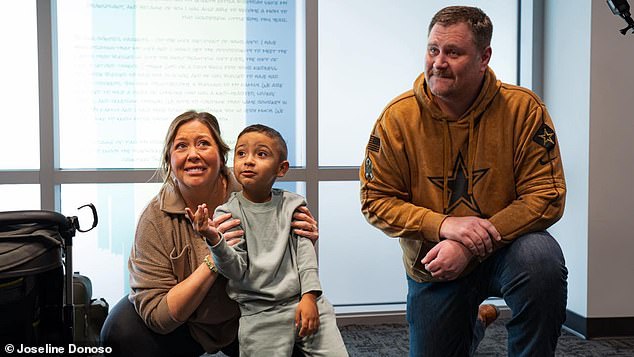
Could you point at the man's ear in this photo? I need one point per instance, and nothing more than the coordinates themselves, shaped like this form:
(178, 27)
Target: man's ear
(282, 168)
(485, 58)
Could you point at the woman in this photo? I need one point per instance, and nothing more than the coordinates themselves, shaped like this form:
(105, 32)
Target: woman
(182, 306)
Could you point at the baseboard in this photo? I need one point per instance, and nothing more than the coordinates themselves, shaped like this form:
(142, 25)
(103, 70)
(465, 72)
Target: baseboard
(588, 328)
(598, 327)
(389, 317)
(371, 318)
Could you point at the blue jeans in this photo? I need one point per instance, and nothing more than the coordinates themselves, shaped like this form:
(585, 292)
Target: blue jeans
(530, 274)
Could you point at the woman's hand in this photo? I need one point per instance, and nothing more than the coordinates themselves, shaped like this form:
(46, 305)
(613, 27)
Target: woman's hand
(304, 224)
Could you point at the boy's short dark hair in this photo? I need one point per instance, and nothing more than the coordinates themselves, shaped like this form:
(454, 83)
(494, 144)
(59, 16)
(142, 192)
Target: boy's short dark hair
(271, 133)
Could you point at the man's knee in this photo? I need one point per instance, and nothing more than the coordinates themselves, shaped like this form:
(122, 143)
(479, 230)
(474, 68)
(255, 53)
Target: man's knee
(540, 255)
(535, 271)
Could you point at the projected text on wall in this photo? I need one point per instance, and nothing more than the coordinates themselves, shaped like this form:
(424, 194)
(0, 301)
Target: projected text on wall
(127, 68)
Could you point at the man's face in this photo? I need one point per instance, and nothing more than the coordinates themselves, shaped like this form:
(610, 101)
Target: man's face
(454, 67)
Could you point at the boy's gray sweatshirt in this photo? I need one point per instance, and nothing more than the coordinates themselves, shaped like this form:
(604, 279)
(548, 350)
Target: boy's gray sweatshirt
(270, 265)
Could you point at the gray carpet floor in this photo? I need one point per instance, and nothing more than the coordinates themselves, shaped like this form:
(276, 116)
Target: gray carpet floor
(391, 340)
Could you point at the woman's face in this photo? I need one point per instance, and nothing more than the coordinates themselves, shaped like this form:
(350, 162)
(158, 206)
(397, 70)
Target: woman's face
(195, 161)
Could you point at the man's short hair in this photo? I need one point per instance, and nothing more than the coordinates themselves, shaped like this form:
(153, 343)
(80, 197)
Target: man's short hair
(479, 23)
(271, 133)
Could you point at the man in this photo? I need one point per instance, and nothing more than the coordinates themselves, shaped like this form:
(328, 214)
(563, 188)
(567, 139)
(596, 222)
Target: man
(466, 171)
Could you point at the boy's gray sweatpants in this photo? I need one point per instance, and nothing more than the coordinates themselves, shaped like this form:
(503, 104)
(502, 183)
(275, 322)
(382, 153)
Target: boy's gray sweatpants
(273, 333)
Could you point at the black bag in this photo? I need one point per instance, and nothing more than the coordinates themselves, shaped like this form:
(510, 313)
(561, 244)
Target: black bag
(90, 313)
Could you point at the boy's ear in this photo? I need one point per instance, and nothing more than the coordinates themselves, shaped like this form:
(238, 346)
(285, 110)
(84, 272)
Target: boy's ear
(282, 169)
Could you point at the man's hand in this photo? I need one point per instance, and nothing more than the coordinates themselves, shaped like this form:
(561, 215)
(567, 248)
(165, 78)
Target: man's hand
(447, 260)
(307, 315)
(477, 234)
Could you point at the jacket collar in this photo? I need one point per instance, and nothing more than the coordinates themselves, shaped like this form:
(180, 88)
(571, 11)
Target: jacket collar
(171, 200)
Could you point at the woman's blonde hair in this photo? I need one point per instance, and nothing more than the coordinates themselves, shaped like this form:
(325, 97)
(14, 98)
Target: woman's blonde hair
(165, 169)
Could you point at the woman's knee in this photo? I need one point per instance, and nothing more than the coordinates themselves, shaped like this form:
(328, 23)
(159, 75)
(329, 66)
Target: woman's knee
(126, 333)
(122, 326)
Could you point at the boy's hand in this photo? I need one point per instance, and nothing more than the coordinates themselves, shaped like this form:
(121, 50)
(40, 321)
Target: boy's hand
(203, 224)
(307, 315)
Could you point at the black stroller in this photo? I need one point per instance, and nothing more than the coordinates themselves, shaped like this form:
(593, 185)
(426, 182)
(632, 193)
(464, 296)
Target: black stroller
(36, 279)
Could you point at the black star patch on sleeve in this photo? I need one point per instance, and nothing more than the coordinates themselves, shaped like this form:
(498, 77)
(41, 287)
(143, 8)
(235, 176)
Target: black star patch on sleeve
(545, 136)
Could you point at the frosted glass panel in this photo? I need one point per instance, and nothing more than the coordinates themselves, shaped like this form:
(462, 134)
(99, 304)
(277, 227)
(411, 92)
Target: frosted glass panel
(370, 52)
(19, 197)
(19, 99)
(127, 68)
(102, 254)
(358, 264)
(297, 187)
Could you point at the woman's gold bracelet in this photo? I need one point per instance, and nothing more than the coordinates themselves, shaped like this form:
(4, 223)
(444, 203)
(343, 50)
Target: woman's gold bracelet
(210, 265)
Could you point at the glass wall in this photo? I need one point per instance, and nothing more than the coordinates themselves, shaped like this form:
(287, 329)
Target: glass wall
(368, 54)
(127, 68)
(19, 129)
(371, 52)
(355, 259)
(19, 197)
(118, 71)
(102, 254)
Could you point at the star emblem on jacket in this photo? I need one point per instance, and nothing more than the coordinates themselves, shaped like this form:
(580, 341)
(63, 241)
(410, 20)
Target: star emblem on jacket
(545, 136)
(458, 186)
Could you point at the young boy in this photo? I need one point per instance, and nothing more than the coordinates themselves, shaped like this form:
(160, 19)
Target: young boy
(273, 272)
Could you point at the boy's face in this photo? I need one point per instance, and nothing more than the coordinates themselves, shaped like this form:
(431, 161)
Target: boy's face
(257, 163)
